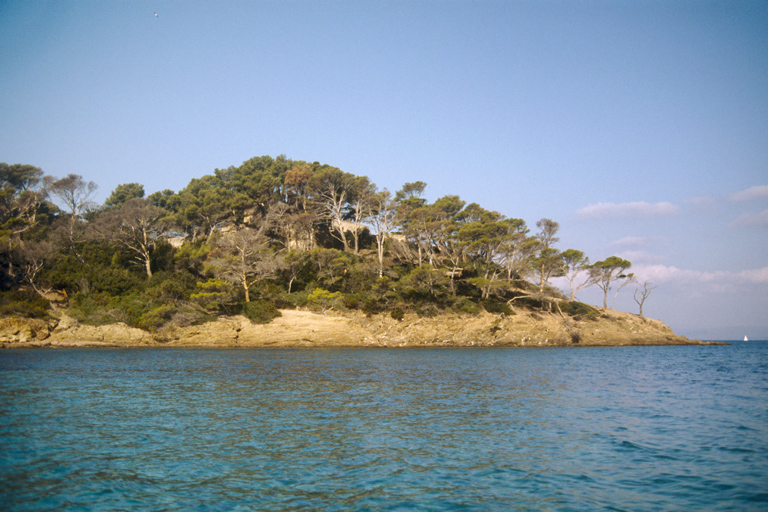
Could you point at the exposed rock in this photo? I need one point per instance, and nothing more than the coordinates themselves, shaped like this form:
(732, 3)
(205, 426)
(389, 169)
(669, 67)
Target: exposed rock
(306, 329)
(25, 330)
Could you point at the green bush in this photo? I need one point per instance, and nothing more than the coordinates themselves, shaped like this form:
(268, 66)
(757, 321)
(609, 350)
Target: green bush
(260, 311)
(579, 310)
(464, 305)
(398, 314)
(426, 309)
(96, 309)
(324, 299)
(496, 307)
(191, 315)
(156, 318)
(23, 303)
(212, 294)
(170, 286)
(371, 307)
(351, 301)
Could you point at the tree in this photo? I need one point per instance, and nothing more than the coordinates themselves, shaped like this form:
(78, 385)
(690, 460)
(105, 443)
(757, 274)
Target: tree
(23, 192)
(483, 239)
(363, 196)
(626, 280)
(383, 216)
(408, 199)
(548, 263)
(123, 193)
(644, 294)
(332, 190)
(243, 257)
(292, 264)
(34, 256)
(575, 263)
(201, 207)
(411, 193)
(74, 194)
(517, 249)
(20, 177)
(604, 273)
(137, 225)
(547, 231)
(295, 184)
(442, 234)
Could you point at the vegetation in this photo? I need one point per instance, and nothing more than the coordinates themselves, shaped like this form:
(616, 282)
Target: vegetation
(275, 233)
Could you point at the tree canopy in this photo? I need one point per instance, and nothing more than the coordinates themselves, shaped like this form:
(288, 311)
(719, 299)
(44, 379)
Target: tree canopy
(274, 232)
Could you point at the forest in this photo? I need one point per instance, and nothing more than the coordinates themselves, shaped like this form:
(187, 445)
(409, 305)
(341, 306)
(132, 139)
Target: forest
(271, 234)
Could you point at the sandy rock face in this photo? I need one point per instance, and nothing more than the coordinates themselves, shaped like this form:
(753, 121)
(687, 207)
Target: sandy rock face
(354, 329)
(22, 330)
(71, 333)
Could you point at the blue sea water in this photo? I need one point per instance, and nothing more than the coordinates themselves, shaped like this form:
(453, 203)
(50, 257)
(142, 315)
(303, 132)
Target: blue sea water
(619, 428)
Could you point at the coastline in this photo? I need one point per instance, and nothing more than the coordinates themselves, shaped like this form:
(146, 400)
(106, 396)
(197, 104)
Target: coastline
(306, 329)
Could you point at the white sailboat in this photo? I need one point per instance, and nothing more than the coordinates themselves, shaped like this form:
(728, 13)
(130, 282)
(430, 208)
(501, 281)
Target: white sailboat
(746, 339)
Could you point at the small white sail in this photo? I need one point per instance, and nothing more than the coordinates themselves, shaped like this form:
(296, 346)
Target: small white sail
(746, 339)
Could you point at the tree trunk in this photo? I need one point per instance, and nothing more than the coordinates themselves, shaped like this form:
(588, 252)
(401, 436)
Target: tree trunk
(380, 253)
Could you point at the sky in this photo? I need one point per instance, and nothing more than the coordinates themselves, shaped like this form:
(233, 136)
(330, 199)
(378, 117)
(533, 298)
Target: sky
(641, 127)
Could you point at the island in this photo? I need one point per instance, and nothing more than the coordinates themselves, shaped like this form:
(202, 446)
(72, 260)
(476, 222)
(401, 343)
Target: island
(284, 253)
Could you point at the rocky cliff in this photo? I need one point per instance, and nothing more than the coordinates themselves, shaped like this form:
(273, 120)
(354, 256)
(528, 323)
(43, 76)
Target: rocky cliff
(307, 329)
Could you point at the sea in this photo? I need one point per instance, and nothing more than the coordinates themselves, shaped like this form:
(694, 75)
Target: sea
(546, 429)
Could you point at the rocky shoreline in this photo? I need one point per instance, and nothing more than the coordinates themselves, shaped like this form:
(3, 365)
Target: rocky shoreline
(297, 328)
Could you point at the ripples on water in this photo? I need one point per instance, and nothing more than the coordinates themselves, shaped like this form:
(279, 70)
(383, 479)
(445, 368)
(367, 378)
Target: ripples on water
(645, 428)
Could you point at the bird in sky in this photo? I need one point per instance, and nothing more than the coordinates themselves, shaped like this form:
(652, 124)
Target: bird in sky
(155, 15)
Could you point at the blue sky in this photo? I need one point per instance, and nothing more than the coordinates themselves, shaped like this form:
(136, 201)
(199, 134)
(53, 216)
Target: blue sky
(641, 127)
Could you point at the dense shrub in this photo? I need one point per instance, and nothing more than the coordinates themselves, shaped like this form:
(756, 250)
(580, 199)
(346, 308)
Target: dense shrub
(323, 299)
(171, 286)
(464, 305)
(156, 317)
(351, 301)
(398, 314)
(496, 307)
(190, 315)
(23, 303)
(212, 294)
(428, 310)
(370, 307)
(579, 310)
(260, 311)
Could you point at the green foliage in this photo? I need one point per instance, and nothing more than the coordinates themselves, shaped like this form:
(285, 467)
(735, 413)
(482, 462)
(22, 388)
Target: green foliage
(371, 306)
(351, 301)
(447, 256)
(398, 314)
(579, 310)
(212, 293)
(324, 299)
(170, 286)
(426, 309)
(192, 256)
(94, 276)
(260, 311)
(123, 193)
(464, 305)
(156, 317)
(530, 303)
(27, 304)
(424, 283)
(497, 307)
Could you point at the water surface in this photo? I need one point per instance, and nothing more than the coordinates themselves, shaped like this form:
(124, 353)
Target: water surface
(624, 428)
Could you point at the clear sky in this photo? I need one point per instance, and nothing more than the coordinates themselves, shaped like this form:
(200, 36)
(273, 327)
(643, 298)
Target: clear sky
(640, 126)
